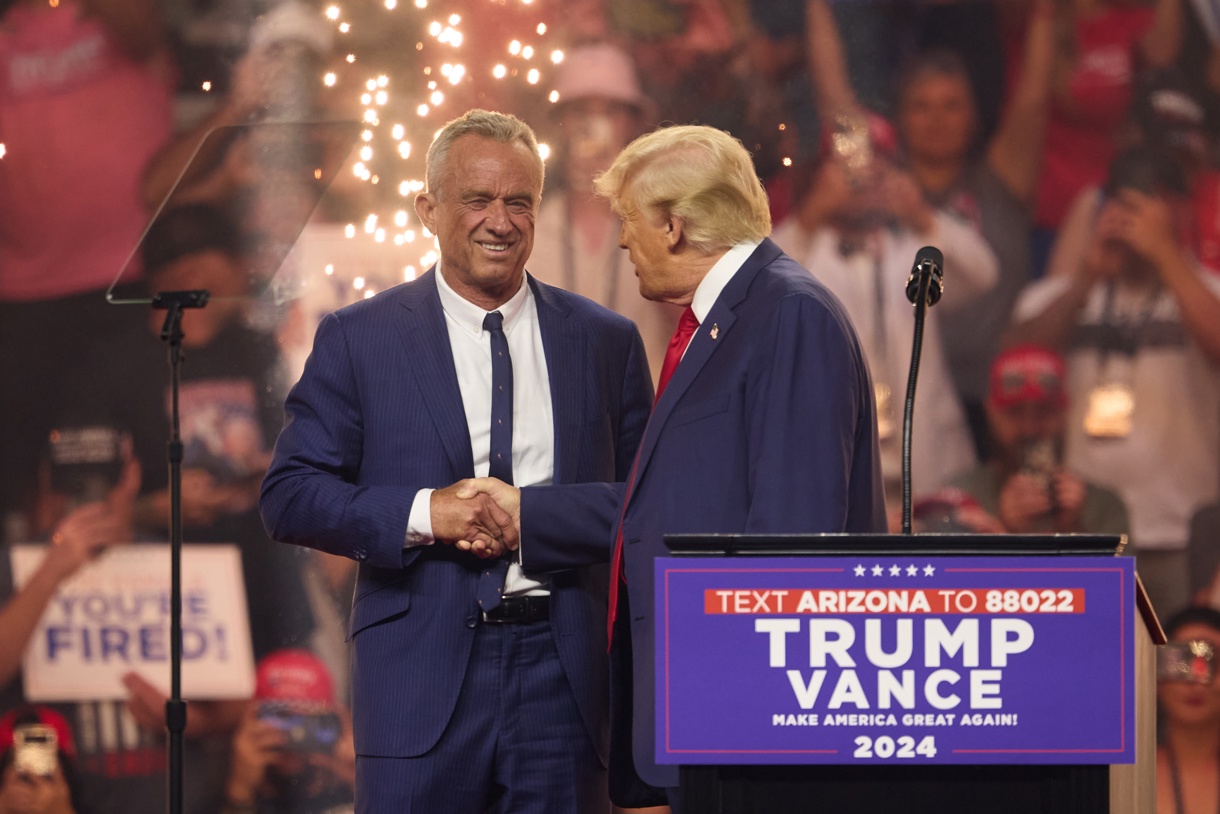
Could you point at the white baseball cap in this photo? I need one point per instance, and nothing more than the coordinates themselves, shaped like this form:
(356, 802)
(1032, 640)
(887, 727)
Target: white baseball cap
(599, 71)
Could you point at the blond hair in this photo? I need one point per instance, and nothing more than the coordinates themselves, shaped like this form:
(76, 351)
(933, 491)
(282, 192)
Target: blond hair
(698, 173)
(504, 128)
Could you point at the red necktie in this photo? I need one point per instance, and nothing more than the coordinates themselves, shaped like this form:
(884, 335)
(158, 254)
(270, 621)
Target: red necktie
(688, 323)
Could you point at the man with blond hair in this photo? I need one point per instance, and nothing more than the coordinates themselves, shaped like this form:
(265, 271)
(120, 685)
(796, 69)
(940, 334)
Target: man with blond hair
(478, 671)
(764, 420)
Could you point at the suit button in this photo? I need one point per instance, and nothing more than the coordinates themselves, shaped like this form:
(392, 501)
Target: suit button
(472, 621)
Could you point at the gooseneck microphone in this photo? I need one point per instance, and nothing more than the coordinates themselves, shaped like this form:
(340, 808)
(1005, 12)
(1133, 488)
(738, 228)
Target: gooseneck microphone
(924, 289)
(929, 265)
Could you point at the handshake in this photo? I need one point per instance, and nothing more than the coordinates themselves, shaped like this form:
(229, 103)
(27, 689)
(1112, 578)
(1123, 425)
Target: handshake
(479, 515)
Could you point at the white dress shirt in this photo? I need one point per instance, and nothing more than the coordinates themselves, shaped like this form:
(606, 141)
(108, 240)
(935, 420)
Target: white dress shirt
(533, 418)
(718, 277)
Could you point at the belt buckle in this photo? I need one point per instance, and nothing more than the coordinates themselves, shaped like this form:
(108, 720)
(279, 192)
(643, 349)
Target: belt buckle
(514, 609)
(506, 618)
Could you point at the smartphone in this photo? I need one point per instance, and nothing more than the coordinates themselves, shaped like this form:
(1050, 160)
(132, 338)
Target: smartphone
(35, 749)
(303, 731)
(1190, 662)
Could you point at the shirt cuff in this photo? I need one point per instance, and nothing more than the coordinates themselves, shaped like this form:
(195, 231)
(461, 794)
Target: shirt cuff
(419, 523)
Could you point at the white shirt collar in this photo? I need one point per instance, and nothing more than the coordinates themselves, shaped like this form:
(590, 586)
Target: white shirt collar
(718, 277)
(468, 316)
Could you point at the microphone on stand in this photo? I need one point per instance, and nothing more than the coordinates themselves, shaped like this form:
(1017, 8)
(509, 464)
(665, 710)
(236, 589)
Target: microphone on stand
(924, 289)
(929, 263)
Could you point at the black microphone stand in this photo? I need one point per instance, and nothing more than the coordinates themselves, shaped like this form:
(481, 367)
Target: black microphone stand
(924, 289)
(174, 302)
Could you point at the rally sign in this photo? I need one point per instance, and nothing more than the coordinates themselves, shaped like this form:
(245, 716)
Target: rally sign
(884, 659)
(112, 617)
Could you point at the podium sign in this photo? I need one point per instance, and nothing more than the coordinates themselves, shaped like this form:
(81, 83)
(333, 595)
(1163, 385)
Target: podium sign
(877, 659)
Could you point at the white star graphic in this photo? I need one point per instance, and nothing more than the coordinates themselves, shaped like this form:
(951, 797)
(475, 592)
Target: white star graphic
(895, 570)
(912, 570)
(859, 570)
(878, 570)
(928, 570)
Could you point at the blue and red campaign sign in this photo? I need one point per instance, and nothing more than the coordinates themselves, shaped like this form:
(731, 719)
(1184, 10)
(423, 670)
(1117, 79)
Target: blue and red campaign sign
(883, 659)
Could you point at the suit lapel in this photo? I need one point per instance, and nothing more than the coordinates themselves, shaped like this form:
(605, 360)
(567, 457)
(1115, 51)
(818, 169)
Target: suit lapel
(564, 346)
(703, 344)
(425, 337)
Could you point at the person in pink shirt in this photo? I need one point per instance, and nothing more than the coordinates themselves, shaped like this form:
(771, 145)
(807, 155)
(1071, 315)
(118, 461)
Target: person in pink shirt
(85, 100)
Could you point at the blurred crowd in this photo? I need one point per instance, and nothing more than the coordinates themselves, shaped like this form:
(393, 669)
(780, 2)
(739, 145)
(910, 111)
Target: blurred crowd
(1063, 154)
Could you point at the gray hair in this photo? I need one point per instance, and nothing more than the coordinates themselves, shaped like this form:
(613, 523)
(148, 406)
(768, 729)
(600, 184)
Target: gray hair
(500, 127)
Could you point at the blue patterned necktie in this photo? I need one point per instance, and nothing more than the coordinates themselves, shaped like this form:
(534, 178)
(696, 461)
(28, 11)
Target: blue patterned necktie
(491, 583)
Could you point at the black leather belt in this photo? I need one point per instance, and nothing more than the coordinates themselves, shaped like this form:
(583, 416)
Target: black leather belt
(517, 609)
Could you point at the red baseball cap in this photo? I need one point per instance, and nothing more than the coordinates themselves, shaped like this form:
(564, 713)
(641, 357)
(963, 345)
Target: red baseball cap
(28, 713)
(295, 678)
(1027, 373)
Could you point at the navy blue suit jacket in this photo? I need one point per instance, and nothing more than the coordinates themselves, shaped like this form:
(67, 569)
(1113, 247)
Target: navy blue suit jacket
(376, 416)
(767, 426)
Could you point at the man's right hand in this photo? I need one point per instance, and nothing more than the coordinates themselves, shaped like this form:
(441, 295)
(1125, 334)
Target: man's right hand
(463, 515)
(1023, 499)
(256, 745)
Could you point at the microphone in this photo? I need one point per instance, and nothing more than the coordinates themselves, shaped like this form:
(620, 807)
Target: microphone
(929, 263)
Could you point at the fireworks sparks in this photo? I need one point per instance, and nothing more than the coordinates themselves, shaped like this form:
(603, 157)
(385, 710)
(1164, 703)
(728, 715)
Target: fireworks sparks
(495, 59)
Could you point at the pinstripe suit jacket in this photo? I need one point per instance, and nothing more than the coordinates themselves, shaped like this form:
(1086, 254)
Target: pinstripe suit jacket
(376, 416)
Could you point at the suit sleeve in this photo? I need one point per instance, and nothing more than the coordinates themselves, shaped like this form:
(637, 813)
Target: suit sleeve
(310, 495)
(571, 525)
(806, 398)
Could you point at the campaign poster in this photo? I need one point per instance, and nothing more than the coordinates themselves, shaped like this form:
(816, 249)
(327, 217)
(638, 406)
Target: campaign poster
(112, 617)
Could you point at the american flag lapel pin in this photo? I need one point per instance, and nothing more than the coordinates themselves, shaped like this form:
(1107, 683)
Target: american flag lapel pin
(715, 332)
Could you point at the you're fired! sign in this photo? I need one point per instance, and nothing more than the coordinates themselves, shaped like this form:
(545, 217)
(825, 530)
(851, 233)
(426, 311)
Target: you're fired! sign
(895, 660)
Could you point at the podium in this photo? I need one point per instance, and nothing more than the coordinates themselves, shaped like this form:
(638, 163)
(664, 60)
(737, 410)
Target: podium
(924, 673)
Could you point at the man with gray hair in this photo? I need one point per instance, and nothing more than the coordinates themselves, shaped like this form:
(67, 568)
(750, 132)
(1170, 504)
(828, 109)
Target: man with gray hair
(764, 420)
(479, 675)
